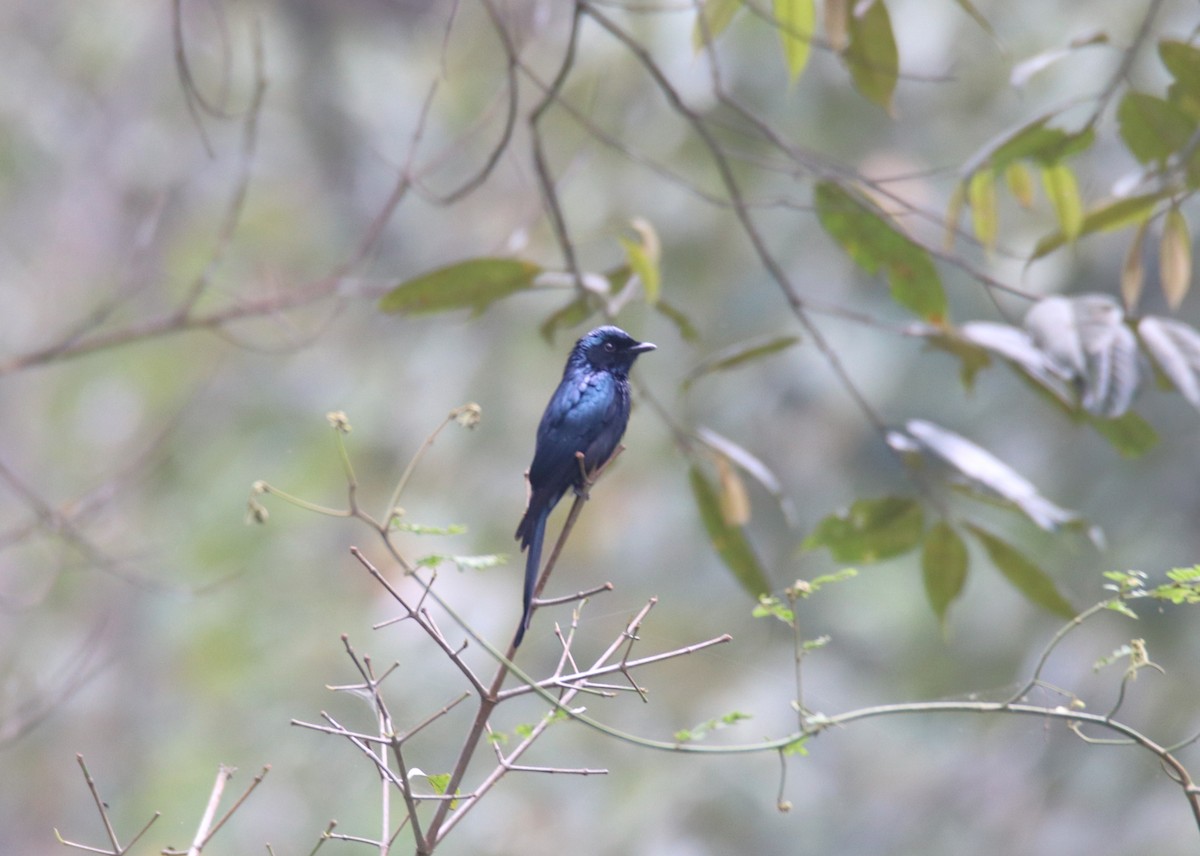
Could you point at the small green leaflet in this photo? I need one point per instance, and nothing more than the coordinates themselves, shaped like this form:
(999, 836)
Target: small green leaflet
(463, 563)
(419, 529)
(474, 284)
(702, 730)
(1183, 588)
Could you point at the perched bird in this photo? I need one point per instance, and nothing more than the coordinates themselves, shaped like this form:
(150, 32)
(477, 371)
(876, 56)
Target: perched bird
(587, 413)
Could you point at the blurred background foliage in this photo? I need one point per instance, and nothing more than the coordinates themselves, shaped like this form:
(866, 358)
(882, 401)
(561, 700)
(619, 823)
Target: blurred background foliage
(203, 204)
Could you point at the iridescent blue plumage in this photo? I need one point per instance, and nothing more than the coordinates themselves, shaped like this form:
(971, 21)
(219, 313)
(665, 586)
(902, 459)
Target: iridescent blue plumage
(587, 413)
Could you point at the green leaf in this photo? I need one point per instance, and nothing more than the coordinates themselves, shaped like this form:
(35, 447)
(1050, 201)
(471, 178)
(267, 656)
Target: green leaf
(870, 531)
(796, 747)
(705, 728)
(439, 782)
(643, 256)
(730, 542)
(871, 56)
(1153, 129)
(574, 313)
(1063, 193)
(645, 268)
(1024, 575)
(738, 355)
(1033, 141)
(954, 206)
(1130, 434)
(771, 606)
(1105, 218)
(944, 567)
(973, 358)
(475, 283)
(796, 19)
(819, 582)
(868, 237)
(981, 196)
(716, 16)
(683, 324)
(1183, 61)
(463, 563)
(979, 19)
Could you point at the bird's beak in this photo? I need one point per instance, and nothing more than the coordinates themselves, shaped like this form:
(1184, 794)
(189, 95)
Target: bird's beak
(642, 347)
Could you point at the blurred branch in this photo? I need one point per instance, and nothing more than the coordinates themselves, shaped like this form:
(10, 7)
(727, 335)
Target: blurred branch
(171, 323)
(1128, 57)
(749, 228)
(71, 677)
(237, 201)
(541, 167)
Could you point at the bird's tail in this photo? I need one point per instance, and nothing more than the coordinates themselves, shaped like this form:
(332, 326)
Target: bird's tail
(530, 532)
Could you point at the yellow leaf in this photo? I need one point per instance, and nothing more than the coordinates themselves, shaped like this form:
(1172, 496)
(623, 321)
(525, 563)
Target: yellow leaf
(1175, 258)
(981, 196)
(713, 18)
(1063, 192)
(837, 23)
(644, 257)
(953, 212)
(735, 504)
(1020, 183)
(1133, 271)
(796, 20)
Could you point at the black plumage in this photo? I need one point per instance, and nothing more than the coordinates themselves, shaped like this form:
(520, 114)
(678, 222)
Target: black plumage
(587, 413)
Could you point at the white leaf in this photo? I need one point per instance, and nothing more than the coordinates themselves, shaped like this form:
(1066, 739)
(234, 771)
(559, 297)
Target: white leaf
(1110, 378)
(1085, 339)
(1175, 348)
(982, 467)
(1051, 324)
(752, 465)
(1015, 345)
(1026, 69)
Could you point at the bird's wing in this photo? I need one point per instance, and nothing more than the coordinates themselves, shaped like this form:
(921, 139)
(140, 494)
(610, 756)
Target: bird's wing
(582, 412)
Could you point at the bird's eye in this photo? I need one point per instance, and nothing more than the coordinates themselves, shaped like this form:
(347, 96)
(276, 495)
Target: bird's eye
(610, 347)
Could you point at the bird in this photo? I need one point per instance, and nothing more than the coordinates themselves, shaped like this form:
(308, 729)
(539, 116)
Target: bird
(587, 414)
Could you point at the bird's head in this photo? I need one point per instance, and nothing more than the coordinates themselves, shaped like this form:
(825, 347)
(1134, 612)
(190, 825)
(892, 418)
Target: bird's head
(610, 348)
